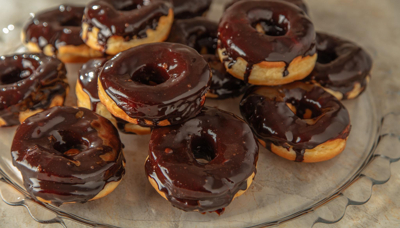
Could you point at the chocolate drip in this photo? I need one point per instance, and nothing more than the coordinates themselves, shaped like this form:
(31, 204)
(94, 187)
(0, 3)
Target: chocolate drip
(126, 18)
(200, 165)
(185, 9)
(223, 84)
(265, 109)
(340, 64)
(157, 82)
(88, 78)
(29, 82)
(58, 27)
(289, 33)
(198, 33)
(62, 155)
(299, 3)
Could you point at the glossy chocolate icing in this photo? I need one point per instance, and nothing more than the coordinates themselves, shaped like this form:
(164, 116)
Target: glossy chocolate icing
(62, 157)
(299, 3)
(126, 18)
(156, 82)
(266, 111)
(340, 65)
(223, 84)
(59, 26)
(289, 33)
(29, 82)
(202, 163)
(185, 9)
(198, 33)
(88, 78)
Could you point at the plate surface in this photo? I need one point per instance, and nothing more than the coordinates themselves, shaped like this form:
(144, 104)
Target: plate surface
(281, 190)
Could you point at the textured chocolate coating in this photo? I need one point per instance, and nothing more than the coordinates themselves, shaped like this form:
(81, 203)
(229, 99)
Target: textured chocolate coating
(178, 155)
(340, 65)
(299, 3)
(198, 33)
(289, 33)
(88, 78)
(156, 82)
(62, 157)
(59, 26)
(184, 9)
(265, 109)
(223, 84)
(126, 18)
(29, 82)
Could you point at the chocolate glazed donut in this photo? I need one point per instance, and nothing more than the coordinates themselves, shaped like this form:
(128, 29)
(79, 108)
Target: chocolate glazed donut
(298, 121)
(112, 26)
(198, 33)
(57, 32)
(299, 3)
(68, 155)
(223, 85)
(204, 163)
(30, 83)
(155, 84)
(285, 39)
(343, 68)
(88, 97)
(185, 9)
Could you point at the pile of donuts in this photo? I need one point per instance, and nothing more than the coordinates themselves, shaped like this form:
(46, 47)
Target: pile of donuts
(200, 158)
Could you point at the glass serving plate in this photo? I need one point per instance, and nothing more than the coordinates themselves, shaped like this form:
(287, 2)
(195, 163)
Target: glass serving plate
(283, 192)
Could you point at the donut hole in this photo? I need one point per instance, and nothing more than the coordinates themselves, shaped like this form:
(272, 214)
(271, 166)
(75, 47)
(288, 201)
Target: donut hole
(326, 57)
(68, 143)
(304, 109)
(204, 44)
(13, 74)
(202, 149)
(72, 22)
(150, 75)
(272, 27)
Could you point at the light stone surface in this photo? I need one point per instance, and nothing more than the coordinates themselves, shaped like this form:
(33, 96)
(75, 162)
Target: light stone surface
(371, 23)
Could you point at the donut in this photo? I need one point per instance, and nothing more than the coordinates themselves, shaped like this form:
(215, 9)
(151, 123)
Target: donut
(112, 26)
(299, 3)
(68, 155)
(223, 85)
(88, 97)
(155, 84)
(198, 33)
(56, 32)
(185, 9)
(30, 83)
(300, 122)
(285, 49)
(200, 165)
(343, 68)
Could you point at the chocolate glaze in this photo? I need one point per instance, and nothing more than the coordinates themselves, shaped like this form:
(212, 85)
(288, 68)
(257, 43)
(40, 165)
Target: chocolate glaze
(289, 33)
(340, 65)
(88, 78)
(202, 163)
(266, 111)
(223, 84)
(29, 82)
(59, 26)
(126, 18)
(62, 157)
(156, 82)
(185, 9)
(198, 33)
(299, 3)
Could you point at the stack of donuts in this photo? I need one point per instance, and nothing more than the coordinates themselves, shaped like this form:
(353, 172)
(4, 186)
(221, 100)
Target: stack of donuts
(200, 158)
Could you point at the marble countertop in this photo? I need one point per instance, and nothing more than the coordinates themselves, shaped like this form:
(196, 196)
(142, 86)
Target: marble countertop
(374, 24)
